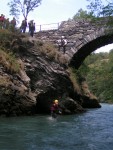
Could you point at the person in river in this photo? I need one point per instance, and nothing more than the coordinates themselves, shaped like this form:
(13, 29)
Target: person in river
(55, 109)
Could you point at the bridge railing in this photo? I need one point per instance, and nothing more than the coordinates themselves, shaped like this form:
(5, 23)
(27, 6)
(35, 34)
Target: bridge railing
(51, 26)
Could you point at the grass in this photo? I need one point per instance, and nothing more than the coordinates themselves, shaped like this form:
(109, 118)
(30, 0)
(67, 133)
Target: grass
(4, 81)
(52, 52)
(73, 78)
(8, 60)
(6, 37)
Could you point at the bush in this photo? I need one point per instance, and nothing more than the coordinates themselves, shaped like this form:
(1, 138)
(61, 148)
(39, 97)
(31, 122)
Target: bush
(8, 60)
(6, 37)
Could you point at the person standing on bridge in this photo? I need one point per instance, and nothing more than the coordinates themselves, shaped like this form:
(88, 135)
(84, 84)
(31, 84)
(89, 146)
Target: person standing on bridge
(62, 43)
(23, 25)
(31, 27)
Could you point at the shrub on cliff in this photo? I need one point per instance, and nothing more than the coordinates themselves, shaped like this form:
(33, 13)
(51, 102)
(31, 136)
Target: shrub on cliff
(6, 36)
(8, 60)
(52, 52)
(74, 79)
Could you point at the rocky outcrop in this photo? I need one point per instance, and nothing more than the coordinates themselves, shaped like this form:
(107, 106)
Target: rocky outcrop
(15, 97)
(40, 80)
(89, 99)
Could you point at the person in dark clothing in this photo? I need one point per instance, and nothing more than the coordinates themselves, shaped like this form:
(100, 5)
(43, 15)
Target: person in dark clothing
(23, 26)
(7, 23)
(13, 24)
(31, 28)
(55, 109)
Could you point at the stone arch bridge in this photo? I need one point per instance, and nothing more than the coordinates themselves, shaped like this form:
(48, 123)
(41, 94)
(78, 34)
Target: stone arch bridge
(83, 37)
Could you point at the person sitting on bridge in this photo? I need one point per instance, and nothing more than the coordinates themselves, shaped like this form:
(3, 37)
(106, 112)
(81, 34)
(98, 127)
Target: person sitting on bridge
(62, 43)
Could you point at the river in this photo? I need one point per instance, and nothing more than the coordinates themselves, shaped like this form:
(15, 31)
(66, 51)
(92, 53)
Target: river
(92, 130)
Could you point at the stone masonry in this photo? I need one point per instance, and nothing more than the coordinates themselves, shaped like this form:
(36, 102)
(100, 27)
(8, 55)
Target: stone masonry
(84, 37)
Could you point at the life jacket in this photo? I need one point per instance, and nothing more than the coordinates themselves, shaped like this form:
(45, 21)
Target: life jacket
(54, 107)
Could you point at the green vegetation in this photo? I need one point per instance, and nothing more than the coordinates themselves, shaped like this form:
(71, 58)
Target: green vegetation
(98, 68)
(99, 8)
(83, 14)
(9, 42)
(8, 60)
(6, 36)
(99, 75)
(47, 48)
(74, 79)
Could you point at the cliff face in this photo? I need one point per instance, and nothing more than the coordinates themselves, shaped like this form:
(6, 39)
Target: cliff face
(40, 80)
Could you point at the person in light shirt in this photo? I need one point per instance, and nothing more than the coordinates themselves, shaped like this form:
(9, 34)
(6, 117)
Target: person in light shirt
(62, 43)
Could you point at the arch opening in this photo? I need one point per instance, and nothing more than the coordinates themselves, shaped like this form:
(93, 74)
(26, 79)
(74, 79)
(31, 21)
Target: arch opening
(88, 48)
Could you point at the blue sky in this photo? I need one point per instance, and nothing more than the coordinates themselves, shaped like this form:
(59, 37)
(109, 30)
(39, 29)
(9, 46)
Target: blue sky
(52, 11)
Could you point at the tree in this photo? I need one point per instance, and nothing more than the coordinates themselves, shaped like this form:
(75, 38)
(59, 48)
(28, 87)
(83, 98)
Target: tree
(108, 10)
(23, 6)
(83, 14)
(100, 75)
(95, 7)
(101, 8)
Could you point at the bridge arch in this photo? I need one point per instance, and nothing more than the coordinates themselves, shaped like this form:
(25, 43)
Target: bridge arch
(86, 48)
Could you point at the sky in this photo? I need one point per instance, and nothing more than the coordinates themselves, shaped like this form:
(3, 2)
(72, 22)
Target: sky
(52, 12)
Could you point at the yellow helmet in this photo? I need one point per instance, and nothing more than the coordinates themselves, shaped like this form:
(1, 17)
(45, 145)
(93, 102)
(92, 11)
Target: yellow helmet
(56, 101)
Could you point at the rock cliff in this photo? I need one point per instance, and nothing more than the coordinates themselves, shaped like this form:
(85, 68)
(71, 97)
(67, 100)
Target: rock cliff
(42, 77)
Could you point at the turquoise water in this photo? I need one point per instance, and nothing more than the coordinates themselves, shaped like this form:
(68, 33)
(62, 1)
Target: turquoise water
(92, 130)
